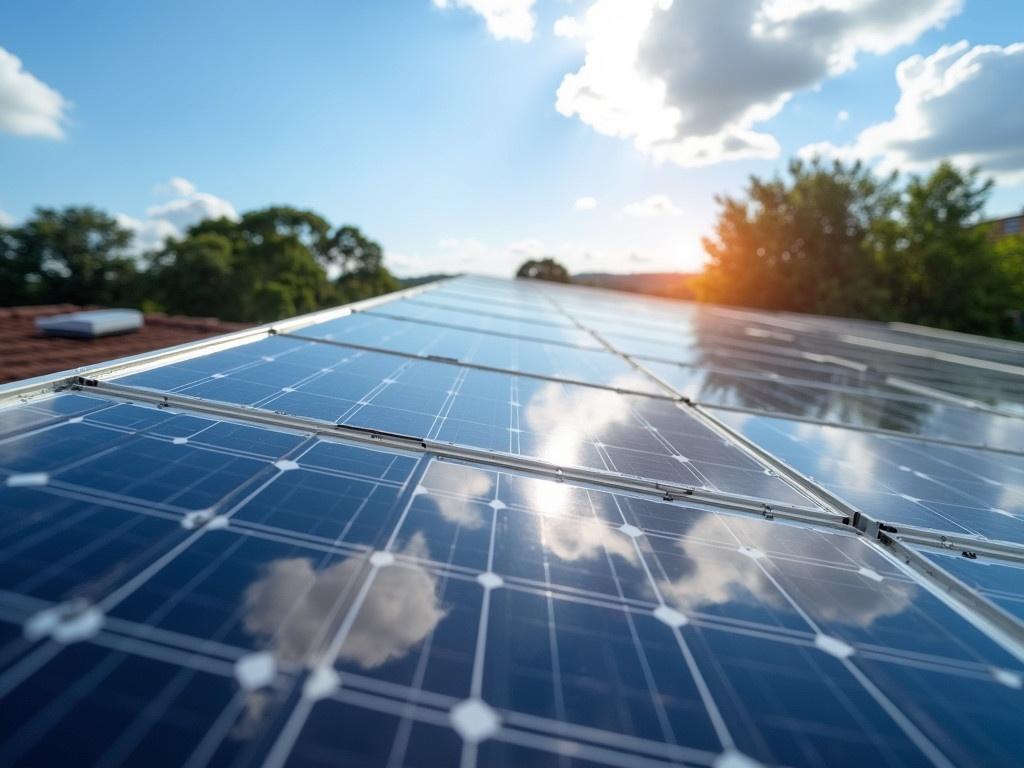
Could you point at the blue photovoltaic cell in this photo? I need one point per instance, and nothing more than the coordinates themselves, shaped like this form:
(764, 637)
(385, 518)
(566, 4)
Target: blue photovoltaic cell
(556, 590)
(178, 589)
(560, 423)
(900, 481)
(1000, 581)
(867, 406)
(593, 366)
(435, 314)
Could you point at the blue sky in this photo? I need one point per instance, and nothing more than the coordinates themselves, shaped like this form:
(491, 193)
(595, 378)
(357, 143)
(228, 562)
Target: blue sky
(463, 137)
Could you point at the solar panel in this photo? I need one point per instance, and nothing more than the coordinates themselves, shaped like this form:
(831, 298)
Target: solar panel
(289, 549)
(946, 488)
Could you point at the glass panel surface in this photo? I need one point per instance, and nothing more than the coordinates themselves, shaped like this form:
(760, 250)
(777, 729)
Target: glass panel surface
(408, 310)
(1001, 581)
(563, 424)
(483, 307)
(901, 481)
(586, 624)
(593, 366)
(867, 407)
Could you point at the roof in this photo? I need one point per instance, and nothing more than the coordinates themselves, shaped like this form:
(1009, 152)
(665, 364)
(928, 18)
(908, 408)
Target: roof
(493, 523)
(26, 352)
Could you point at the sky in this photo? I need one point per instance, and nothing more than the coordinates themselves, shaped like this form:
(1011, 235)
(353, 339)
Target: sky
(470, 135)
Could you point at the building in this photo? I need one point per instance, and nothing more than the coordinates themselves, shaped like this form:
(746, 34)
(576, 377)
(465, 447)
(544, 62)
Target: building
(1007, 226)
(26, 352)
(495, 523)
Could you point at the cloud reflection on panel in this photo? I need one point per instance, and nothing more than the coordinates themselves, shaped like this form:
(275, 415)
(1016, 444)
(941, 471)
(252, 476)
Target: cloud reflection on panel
(718, 578)
(462, 512)
(571, 540)
(295, 607)
(563, 418)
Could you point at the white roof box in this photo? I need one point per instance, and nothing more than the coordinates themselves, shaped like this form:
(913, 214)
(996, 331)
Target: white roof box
(88, 325)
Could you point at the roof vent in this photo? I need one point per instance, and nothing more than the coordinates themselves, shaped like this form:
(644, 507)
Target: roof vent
(89, 325)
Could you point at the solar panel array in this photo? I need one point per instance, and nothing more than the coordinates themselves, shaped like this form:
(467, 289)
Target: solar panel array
(501, 523)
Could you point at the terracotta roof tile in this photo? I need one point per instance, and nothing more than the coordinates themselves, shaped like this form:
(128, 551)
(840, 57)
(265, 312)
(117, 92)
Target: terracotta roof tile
(25, 353)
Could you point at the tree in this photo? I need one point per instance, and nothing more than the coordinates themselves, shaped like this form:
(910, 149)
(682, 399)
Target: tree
(806, 243)
(1009, 254)
(943, 269)
(260, 268)
(193, 276)
(544, 269)
(77, 255)
(359, 262)
(272, 263)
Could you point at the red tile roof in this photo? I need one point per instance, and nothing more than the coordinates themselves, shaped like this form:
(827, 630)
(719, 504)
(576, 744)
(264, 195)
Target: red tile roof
(24, 352)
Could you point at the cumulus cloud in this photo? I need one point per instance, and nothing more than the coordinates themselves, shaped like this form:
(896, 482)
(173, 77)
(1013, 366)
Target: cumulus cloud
(505, 19)
(191, 209)
(688, 81)
(960, 103)
(585, 204)
(652, 206)
(6, 219)
(28, 106)
(568, 27)
(843, 116)
(176, 185)
(173, 218)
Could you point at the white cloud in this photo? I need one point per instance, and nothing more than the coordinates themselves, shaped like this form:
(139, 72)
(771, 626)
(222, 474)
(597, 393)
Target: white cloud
(843, 116)
(505, 19)
(6, 219)
(960, 103)
(173, 218)
(28, 106)
(652, 206)
(176, 185)
(688, 81)
(568, 27)
(149, 233)
(191, 209)
(585, 204)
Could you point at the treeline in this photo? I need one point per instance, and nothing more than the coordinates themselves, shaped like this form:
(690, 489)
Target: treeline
(833, 238)
(271, 263)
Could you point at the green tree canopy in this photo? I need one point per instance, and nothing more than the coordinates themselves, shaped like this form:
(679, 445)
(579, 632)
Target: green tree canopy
(544, 269)
(272, 263)
(832, 238)
(804, 243)
(943, 270)
(76, 255)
